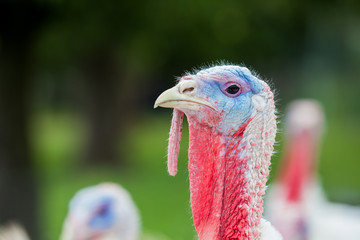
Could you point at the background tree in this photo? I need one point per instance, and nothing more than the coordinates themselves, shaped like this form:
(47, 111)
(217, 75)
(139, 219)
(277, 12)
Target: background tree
(19, 22)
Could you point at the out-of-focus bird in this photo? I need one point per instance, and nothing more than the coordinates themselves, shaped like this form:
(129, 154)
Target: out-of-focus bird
(232, 126)
(103, 212)
(296, 203)
(13, 231)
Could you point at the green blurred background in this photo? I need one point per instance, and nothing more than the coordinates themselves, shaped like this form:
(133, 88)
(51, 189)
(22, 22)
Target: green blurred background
(78, 80)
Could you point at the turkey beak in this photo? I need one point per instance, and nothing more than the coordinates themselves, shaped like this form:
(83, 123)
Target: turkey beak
(182, 96)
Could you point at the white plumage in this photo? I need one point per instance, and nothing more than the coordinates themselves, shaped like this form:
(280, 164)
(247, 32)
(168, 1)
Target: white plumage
(105, 212)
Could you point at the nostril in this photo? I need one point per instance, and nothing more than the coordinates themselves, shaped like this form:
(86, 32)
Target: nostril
(188, 90)
(187, 87)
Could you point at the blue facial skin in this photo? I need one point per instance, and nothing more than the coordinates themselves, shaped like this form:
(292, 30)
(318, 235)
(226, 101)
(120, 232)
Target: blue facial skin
(236, 110)
(104, 216)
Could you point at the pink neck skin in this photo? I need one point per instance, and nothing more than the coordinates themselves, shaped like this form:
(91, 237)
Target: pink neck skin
(221, 202)
(299, 167)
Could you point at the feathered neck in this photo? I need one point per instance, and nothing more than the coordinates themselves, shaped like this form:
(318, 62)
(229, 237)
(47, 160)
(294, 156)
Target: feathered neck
(299, 165)
(228, 174)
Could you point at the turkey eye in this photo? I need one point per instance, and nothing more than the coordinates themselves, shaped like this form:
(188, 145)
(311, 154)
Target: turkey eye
(232, 89)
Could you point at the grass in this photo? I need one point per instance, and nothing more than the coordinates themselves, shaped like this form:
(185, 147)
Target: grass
(163, 201)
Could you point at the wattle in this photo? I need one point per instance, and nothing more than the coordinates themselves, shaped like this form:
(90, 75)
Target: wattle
(219, 196)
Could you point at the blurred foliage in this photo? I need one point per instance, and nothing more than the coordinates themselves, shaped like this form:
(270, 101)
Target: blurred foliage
(302, 45)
